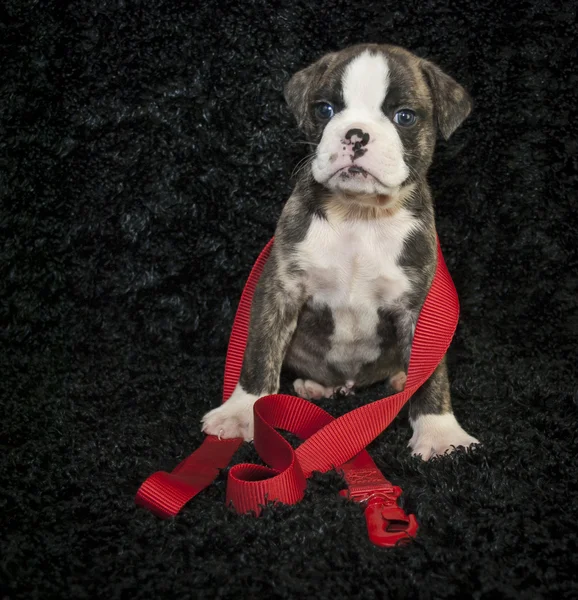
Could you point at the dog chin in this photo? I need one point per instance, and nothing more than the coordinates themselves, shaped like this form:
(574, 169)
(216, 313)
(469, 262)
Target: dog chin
(367, 192)
(362, 183)
(361, 188)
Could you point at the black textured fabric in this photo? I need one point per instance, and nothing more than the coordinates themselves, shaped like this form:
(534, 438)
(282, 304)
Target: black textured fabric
(146, 153)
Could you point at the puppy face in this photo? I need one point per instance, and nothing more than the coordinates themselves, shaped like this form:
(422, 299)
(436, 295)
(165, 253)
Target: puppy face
(373, 112)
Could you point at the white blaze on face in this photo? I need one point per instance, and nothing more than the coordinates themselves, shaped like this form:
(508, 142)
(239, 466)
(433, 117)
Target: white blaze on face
(365, 83)
(381, 168)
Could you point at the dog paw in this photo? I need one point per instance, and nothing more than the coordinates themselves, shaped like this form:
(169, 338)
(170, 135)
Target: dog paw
(345, 390)
(397, 381)
(435, 435)
(311, 390)
(234, 418)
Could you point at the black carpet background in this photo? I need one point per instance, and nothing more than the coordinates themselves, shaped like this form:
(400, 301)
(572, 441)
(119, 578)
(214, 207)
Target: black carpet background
(146, 153)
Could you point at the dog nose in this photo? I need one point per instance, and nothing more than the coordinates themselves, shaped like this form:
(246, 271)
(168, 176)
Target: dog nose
(357, 137)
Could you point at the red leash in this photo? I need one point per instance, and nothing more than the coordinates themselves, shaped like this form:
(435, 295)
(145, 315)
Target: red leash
(329, 442)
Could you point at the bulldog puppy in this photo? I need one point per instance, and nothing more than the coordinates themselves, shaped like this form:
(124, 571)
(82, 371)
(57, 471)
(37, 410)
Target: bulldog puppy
(355, 246)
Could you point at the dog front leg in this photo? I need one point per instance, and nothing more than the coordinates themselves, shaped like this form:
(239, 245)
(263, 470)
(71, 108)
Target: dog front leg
(274, 313)
(435, 428)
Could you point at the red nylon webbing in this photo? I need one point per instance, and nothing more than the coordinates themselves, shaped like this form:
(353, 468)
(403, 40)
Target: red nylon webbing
(329, 442)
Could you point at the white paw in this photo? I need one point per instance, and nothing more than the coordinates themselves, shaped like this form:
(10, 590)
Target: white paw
(234, 418)
(311, 390)
(434, 435)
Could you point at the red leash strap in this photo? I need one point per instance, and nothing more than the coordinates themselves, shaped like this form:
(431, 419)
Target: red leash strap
(164, 493)
(329, 442)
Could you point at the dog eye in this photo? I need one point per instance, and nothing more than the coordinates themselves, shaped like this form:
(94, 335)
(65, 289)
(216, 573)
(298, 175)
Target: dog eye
(324, 111)
(405, 117)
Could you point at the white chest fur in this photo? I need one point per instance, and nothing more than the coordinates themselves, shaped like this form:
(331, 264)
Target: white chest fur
(351, 267)
(352, 263)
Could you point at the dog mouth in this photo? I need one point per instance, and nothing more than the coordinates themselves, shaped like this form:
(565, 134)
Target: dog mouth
(360, 186)
(356, 174)
(353, 172)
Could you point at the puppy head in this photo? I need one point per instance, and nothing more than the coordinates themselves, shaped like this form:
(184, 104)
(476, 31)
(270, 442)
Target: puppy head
(373, 112)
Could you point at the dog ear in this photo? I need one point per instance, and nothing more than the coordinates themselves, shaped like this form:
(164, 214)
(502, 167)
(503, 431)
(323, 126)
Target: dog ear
(452, 104)
(297, 89)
